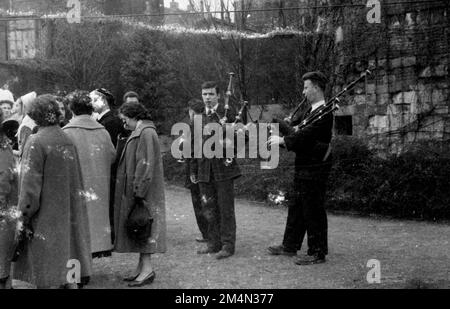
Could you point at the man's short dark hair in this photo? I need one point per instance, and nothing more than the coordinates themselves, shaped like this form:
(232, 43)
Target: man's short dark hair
(130, 94)
(211, 84)
(196, 105)
(317, 78)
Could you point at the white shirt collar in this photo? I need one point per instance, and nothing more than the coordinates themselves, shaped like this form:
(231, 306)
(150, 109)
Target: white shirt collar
(213, 109)
(317, 105)
(102, 114)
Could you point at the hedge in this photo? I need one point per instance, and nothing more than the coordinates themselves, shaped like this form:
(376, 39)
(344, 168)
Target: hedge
(413, 185)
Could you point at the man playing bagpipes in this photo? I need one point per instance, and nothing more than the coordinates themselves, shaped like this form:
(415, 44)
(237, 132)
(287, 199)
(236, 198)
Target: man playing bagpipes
(306, 214)
(215, 177)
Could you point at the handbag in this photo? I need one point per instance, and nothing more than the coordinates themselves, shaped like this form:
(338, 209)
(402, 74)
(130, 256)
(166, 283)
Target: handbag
(139, 222)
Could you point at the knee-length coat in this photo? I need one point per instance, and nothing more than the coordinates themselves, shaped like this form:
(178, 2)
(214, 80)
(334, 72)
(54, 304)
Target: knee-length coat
(140, 173)
(8, 202)
(51, 201)
(96, 153)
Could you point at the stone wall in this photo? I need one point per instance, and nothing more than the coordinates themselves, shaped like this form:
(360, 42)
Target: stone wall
(407, 98)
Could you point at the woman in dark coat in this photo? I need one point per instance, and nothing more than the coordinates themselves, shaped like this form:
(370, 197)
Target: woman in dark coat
(140, 179)
(52, 205)
(8, 201)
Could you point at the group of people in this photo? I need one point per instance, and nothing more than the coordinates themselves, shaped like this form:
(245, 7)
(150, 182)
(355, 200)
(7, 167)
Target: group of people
(68, 187)
(211, 180)
(80, 178)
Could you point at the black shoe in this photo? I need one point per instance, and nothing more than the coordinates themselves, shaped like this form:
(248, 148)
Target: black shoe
(223, 254)
(280, 250)
(69, 286)
(3, 284)
(208, 251)
(148, 280)
(84, 281)
(316, 258)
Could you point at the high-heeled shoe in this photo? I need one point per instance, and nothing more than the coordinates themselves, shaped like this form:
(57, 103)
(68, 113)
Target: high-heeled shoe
(148, 280)
(130, 278)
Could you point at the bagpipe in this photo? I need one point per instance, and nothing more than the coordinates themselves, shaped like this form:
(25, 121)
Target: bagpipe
(238, 118)
(286, 125)
(290, 125)
(223, 120)
(240, 115)
(227, 96)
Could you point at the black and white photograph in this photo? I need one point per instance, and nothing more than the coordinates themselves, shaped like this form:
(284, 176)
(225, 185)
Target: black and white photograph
(224, 151)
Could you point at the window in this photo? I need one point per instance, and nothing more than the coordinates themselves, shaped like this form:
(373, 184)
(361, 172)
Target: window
(344, 125)
(21, 39)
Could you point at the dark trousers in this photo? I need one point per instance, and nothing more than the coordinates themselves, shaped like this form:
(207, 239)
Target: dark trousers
(198, 210)
(218, 208)
(121, 141)
(306, 215)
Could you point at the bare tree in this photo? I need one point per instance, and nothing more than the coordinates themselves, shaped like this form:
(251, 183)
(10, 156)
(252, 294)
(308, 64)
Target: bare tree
(82, 56)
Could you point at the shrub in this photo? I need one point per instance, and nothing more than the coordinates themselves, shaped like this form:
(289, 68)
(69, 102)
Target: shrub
(174, 171)
(148, 69)
(411, 185)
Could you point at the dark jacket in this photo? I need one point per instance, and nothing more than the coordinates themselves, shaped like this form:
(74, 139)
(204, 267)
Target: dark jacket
(121, 141)
(202, 167)
(310, 145)
(298, 116)
(113, 125)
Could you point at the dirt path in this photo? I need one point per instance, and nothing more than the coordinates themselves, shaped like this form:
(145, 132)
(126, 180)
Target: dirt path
(410, 253)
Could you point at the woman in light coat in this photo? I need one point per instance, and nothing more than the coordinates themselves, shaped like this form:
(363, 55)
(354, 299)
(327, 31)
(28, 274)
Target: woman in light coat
(96, 153)
(140, 177)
